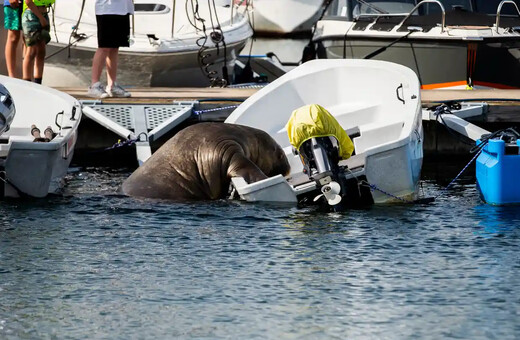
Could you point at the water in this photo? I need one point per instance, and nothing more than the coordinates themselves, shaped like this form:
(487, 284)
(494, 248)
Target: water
(95, 265)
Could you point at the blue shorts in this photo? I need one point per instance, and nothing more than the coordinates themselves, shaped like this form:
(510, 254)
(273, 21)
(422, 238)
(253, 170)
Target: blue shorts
(13, 18)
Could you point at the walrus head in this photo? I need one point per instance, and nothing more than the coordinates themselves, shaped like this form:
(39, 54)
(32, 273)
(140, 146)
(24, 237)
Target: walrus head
(269, 156)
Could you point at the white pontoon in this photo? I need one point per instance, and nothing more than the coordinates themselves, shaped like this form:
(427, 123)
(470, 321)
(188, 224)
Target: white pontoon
(377, 103)
(31, 168)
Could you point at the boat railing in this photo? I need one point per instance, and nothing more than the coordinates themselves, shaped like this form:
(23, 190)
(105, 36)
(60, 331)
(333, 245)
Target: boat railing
(237, 3)
(443, 22)
(499, 10)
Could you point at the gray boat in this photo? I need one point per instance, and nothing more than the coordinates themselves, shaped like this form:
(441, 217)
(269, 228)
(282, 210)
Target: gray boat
(448, 43)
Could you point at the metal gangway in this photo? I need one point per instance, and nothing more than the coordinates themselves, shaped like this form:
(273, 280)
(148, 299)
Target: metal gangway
(139, 123)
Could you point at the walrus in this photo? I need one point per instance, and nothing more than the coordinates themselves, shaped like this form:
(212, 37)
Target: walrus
(200, 160)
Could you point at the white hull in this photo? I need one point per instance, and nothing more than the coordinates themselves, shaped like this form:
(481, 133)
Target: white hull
(378, 100)
(281, 17)
(138, 69)
(165, 49)
(465, 49)
(37, 169)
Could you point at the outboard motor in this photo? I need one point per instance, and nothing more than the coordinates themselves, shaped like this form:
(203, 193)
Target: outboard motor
(321, 143)
(7, 109)
(320, 158)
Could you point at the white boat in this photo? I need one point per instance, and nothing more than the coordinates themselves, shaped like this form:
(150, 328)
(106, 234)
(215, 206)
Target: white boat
(32, 168)
(172, 43)
(285, 17)
(377, 103)
(448, 43)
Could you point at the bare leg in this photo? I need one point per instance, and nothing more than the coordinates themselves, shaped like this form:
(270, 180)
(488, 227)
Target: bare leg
(28, 62)
(39, 60)
(112, 60)
(98, 63)
(13, 37)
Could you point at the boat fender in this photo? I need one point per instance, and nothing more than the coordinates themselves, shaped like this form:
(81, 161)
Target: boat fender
(7, 109)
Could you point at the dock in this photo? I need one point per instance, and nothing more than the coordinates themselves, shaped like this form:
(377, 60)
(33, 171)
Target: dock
(503, 111)
(161, 95)
(164, 95)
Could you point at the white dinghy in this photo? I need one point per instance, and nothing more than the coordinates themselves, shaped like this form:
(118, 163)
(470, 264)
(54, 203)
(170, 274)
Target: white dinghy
(172, 43)
(377, 103)
(31, 168)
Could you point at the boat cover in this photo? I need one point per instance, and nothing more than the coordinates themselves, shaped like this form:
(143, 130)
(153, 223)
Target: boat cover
(312, 121)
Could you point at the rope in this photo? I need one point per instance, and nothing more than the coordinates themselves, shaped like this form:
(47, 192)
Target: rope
(199, 112)
(375, 188)
(120, 144)
(463, 169)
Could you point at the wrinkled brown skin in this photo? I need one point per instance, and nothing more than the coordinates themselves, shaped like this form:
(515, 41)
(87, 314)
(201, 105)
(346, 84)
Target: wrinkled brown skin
(199, 161)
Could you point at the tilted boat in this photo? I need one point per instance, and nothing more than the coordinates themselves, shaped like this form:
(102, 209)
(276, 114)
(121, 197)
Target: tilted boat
(172, 43)
(377, 103)
(449, 44)
(30, 168)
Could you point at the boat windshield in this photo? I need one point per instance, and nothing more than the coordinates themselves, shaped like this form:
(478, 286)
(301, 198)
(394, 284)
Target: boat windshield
(354, 8)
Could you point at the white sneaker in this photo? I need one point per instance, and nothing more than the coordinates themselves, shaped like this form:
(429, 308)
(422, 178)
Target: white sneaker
(97, 90)
(118, 91)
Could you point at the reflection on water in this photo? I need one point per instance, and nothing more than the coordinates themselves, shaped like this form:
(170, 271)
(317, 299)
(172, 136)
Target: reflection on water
(497, 220)
(94, 264)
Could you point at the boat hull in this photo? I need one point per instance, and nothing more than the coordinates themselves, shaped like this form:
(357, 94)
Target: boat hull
(439, 63)
(140, 69)
(378, 105)
(285, 17)
(396, 172)
(31, 168)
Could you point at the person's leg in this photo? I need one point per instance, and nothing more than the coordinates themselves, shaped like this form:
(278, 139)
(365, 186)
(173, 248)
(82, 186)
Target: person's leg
(96, 88)
(98, 63)
(13, 38)
(28, 61)
(111, 62)
(39, 62)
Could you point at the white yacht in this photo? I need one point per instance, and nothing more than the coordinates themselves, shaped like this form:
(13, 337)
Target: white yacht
(448, 43)
(172, 43)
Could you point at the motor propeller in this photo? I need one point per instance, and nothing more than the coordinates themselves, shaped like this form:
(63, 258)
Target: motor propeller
(331, 192)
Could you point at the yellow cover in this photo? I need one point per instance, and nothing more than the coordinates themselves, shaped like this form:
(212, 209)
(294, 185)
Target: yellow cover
(312, 121)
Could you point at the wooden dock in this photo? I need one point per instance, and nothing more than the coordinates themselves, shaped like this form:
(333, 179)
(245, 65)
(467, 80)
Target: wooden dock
(161, 94)
(504, 111)
(504, 104)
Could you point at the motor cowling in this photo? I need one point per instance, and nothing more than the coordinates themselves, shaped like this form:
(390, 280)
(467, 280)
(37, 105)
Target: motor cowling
(7, 109)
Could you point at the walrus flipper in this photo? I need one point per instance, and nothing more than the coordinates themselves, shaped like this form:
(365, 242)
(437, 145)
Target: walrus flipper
(241, 166)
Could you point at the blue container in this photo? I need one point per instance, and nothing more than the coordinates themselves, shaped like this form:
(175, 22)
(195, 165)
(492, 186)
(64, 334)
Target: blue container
(498, 172)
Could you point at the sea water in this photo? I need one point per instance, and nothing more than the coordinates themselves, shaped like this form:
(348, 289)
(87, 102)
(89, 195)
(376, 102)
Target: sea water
(92, 264)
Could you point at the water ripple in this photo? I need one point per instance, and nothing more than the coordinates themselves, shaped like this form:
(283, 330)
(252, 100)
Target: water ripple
(94, 264)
